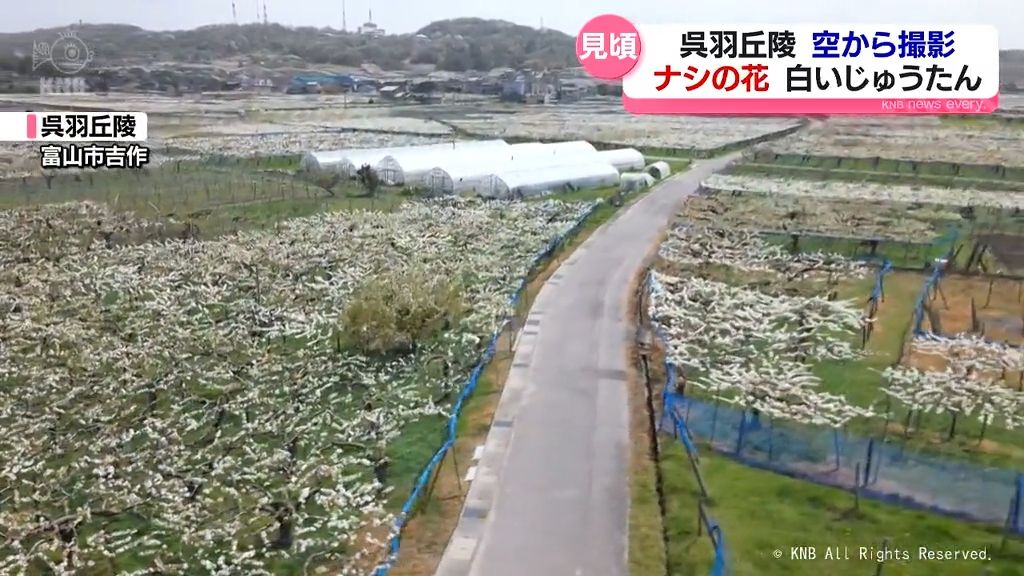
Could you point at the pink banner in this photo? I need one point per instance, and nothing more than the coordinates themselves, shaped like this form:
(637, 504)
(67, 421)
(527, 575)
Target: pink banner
(790, 106)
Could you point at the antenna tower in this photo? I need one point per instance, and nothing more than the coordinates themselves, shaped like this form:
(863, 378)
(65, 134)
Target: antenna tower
(234, 12)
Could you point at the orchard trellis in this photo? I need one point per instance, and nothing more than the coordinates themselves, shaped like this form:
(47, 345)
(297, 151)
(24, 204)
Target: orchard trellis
(914, 139)
(615, 126)
(978, 379)
(748, 251)
(185, 406)
(867, 191)
(804, 215)
(748, 346)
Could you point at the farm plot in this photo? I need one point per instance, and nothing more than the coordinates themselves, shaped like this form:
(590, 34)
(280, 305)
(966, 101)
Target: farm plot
(18, 160)
(214, 195)
(990, 307)
(743, 317)
(232, 406)
(868, 191)
(804, 215)
(301, 126)
(288, 143)
(675, 133)
(988, 219)
(910, 140)
(961, 393)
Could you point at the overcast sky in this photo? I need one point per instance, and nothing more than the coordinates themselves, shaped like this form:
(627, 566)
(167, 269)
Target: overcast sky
(565, 15)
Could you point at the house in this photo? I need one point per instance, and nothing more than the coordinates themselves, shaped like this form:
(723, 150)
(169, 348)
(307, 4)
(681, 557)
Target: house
(530, 87)
(392, 92)
(316, 83)
(576, 89)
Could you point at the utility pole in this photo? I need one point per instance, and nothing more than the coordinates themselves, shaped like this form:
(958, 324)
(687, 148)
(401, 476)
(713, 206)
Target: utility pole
(344, 23)
(234, 12)
(265, 12)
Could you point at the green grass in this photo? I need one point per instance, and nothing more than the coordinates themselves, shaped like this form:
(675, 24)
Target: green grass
(860, 381)
(760, 512)
(218, 197)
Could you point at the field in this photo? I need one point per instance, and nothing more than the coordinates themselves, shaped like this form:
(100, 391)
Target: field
(244, 401)
(762, 297)
(218, 361)
(913, 139)
(681, 134)
(998, 312)
(902, 213)
(235, 124)
(761, 512)
(219, 364)
(207, 196)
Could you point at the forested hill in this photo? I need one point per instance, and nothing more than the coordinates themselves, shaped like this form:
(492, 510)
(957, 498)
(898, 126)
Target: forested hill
(454, 45)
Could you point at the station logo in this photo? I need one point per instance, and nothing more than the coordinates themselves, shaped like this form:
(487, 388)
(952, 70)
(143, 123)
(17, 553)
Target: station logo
(69, 54)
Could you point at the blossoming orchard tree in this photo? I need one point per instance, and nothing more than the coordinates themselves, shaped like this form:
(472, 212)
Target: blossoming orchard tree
(747, 346)
(973, 383)
(215, 407)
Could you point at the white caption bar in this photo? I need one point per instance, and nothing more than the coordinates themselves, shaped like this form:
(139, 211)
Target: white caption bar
(73, 127)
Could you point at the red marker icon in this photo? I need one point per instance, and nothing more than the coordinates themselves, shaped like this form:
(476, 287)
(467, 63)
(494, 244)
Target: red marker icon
(30, 126)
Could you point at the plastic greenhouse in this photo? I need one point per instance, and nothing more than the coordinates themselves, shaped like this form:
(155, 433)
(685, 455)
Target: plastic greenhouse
(474, 177)
(411, 165)
(349, 160)
(314, 161)
(659, 169)
(355, 159)
(633, 181)
(623, 159)
(554, 149)
(460, 178)
(524, 183)
(472, 173)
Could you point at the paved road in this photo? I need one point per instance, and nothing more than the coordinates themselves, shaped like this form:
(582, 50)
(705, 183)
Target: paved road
(550, 496)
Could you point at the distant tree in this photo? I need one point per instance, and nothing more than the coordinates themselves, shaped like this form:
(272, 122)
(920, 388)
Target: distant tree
(455, 60)
(368, 179)
(424, 56)
(326, 180)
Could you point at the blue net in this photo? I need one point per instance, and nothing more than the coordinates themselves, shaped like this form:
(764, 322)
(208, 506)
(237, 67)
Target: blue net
(675, 421)
(882, 468)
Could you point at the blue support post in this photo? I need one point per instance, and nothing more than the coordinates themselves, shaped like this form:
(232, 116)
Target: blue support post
(714, 422)
(1014, 525)
(867, 465)
(743, 428)
(835, 442)
(877, 466)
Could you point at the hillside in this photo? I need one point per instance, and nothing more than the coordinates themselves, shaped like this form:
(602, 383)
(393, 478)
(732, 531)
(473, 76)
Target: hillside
(453, 45)
(205, 57)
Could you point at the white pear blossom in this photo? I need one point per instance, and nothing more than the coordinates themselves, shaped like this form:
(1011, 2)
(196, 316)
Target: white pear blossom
(182, 407)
